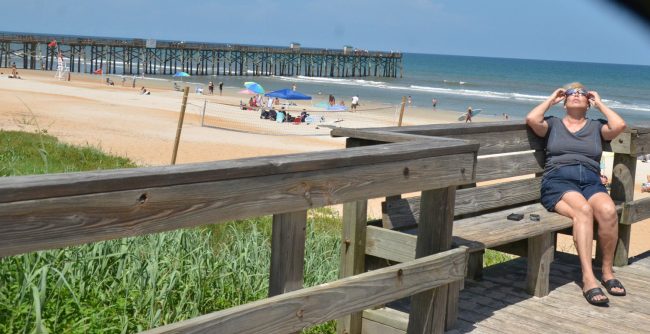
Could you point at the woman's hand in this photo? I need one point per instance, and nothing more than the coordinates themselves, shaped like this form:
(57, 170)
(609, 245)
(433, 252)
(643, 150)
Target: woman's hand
(615, 123)
(594, 99)
(557, 96)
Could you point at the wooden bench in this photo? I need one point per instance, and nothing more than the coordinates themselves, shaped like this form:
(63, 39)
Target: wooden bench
(508, 172)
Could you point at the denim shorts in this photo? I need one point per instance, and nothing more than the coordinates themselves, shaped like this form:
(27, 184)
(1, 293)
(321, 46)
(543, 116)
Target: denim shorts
(563, 179)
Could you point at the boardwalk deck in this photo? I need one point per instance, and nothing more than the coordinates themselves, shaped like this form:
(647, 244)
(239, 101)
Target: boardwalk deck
(499, 302)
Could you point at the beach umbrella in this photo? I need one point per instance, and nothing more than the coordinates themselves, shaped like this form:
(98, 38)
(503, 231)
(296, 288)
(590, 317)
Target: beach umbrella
(254, 87)
(288, 94)
(247, 92)
(181, 75)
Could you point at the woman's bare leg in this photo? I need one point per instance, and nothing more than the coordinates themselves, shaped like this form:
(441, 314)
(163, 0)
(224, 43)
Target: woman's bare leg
(605, 214)
(576, 207)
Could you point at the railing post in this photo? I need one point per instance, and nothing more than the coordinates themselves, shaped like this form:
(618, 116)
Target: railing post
(353, 251)
(287, 252)
(623, 191)
(429, 308)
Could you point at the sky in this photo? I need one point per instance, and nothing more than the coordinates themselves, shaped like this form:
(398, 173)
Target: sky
(577, 30)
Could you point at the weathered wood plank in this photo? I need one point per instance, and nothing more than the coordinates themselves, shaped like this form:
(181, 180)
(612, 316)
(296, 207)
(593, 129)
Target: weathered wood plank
(57, 222)
(636, 211)
(287, 252)
(406, 212)
(453, 293)
(503, 283)
(507, 231)
(477, 233)
(640, 143)
(353, 245)
(441, 130)
(296, 310)
(373, 327)
(540, 257)
(390, 245)
(622, 190)
(499, 195)
(569, 304)
(475, 265)
(631, 142)
(57, 185)
(498, 167)
(428, 308)
(388, 316)
(496, 137)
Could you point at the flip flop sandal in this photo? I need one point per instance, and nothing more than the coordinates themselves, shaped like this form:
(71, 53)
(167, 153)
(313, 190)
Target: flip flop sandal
(590, 294)
(614, 283)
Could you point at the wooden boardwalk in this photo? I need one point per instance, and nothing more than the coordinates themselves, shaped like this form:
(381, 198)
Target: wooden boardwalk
(499, 304)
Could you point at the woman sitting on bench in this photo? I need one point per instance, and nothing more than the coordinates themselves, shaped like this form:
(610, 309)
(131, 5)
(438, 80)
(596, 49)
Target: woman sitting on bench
(571, 184)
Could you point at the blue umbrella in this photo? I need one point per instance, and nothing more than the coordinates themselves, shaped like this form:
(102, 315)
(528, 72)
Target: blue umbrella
(181, 75)
(254, 87)
(288, 94)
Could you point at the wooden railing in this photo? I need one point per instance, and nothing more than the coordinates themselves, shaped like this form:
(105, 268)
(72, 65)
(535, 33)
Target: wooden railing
(52, 211)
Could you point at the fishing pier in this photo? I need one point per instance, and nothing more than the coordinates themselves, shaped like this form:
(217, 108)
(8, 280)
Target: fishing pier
(135, 56)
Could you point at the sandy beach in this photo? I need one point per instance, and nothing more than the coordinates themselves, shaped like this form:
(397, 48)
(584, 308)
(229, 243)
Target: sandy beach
(118, 120)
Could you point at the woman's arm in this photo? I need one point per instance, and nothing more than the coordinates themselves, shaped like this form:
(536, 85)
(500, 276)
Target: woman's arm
(535, 118)
(615, 124)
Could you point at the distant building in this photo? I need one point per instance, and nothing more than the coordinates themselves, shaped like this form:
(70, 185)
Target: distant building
(294, 46)
(348, 49)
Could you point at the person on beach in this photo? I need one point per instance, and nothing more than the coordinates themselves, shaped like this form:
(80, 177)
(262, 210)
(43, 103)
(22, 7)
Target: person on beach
(293, 87)
(410, 100)
(468, 115)
(144, 91)
(435, 103)
(220, 88)
(355, 103)
(14, 71)
(571, 184)
(645, 186)
(211, 87)
(332, 100)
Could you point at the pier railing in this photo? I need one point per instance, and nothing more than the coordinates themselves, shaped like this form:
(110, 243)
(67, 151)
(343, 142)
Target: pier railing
(51, 211)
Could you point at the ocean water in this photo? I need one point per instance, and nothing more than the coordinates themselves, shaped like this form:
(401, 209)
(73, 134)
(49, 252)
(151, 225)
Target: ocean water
(495, 85)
